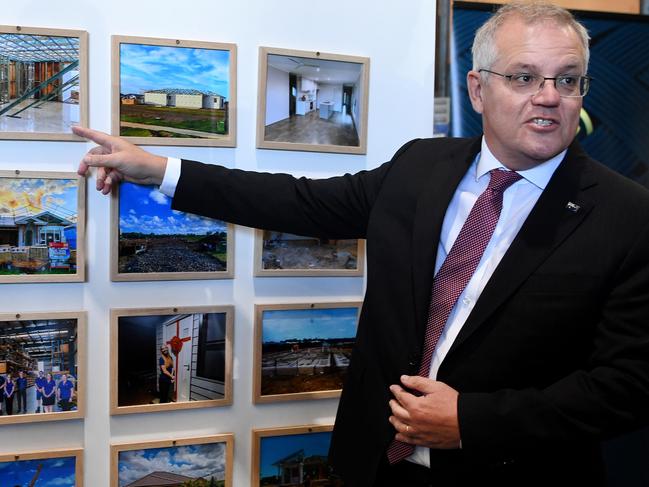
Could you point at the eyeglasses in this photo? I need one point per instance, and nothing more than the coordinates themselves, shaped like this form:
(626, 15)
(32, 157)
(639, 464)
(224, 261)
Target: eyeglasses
(568, 86)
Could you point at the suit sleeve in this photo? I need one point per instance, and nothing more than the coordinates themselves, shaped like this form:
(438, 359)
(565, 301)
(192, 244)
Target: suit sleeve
(337, 207)
(609, 396)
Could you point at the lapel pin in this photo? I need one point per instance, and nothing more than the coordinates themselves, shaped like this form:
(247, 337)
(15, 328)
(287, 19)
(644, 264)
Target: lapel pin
(572, 207)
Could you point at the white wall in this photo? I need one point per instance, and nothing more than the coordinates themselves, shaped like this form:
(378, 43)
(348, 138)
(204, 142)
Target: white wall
(276, 95)
(401, 69)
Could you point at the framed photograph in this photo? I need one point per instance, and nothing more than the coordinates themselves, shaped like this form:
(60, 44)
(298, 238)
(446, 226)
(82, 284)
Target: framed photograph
(152, 242)
(42, 366)
(42, 227)
(43, 83)
(312, 101)
(52, 468)
(285, 254)
(170, 358)
(174, 92)
(302, 351)
(294, 455)
(204, 461)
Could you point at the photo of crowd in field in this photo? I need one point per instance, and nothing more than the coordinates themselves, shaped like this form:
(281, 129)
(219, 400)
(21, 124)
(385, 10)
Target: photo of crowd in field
(280, 253)
(178, 89)
(40, 225)
(155, 241)
(304, 349)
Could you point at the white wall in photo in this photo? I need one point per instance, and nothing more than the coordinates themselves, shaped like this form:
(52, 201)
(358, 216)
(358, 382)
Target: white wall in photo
(400, 44)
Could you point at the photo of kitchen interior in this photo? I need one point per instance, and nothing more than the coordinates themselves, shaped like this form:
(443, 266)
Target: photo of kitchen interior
(313, 101)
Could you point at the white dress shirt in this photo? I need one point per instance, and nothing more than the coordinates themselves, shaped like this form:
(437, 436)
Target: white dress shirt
(518, 201)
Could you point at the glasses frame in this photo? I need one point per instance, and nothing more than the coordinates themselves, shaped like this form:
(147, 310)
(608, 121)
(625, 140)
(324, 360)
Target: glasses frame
(582, 79)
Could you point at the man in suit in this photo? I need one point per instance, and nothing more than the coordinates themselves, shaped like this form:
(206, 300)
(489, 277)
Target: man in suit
(543, 347)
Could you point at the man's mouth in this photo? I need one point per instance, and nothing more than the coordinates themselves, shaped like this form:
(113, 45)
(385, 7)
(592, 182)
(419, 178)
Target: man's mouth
(542, 122)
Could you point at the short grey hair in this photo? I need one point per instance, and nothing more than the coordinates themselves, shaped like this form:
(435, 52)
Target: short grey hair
(484, 48)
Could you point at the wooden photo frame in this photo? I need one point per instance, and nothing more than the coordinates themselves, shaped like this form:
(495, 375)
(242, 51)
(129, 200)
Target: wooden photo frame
(63, 468)
(152, 242)
(284, 254)
(294, 455)
(42, 227)
(198, 362)
(302, 351)
(312, 101)
(174, 92)
(47, 353)
(133, 462)
(43, 83)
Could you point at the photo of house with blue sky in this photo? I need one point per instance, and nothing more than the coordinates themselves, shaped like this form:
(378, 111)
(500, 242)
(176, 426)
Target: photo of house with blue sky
(202, 461)
(279, 455)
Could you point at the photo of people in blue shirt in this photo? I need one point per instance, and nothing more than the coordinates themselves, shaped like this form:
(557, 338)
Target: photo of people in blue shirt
(38, 366)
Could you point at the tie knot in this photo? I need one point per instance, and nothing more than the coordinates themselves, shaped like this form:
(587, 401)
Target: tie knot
(501, 180)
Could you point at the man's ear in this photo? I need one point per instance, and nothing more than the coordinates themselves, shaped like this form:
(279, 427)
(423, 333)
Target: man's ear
(474, 87)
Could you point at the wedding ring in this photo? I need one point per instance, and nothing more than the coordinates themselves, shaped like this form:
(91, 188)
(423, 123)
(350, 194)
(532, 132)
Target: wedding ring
(407, 428)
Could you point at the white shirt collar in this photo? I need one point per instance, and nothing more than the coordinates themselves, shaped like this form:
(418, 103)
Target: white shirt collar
(538, 175)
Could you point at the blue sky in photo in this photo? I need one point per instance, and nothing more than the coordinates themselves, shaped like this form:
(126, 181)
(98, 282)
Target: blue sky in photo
(23, 196)
(321, 323)
(56, 472)
(145, 67)
(145, 209)
(195, 461)
(274, 448)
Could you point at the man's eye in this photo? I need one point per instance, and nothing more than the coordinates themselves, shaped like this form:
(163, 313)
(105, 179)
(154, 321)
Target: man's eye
(567, 80)
(523, 78)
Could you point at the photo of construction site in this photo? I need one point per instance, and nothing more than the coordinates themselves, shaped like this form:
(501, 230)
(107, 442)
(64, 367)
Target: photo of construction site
(41, 83)
(197, 465)
(38, 367)
(40, 227)
(39, 472)
(154, 239)
(173, 91)
(285, 253)
(305, 349)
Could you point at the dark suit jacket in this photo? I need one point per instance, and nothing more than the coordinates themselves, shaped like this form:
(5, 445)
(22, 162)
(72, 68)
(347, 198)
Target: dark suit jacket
(554, 356)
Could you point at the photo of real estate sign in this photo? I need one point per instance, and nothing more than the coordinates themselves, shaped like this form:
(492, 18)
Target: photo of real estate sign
(43, 83)
(173, 92)
(171, 358)
(42, 227)
(302, 351)
(150, 241)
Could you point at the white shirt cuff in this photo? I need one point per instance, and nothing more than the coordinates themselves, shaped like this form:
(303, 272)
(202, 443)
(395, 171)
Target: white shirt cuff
(171, 177)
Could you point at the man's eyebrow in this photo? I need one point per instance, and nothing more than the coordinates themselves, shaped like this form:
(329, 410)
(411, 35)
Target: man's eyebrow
(526, 67)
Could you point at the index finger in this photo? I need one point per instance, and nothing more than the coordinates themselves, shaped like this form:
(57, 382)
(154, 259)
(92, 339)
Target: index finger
(96, 136)
(404, 397)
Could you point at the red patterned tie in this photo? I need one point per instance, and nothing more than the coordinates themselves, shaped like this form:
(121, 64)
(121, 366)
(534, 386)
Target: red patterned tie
(455, 273)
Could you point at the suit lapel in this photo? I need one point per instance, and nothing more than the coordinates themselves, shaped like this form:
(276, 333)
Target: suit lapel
(429, 216)
(551, 221)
